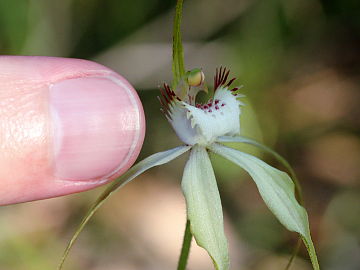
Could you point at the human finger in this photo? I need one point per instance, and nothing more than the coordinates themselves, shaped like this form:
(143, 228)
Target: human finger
(66, 125)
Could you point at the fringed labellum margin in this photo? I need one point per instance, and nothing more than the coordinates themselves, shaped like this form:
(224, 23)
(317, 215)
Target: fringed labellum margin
(203, 123)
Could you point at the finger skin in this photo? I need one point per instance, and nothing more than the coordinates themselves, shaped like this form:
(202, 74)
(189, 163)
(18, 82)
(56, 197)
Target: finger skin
(27, 127)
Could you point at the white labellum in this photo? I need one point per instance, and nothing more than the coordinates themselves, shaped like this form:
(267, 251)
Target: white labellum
(202, 124)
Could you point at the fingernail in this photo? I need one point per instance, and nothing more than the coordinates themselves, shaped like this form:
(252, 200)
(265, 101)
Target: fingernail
(98, 127)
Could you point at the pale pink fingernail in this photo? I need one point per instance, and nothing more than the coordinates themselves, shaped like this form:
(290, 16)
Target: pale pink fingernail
(98, 127)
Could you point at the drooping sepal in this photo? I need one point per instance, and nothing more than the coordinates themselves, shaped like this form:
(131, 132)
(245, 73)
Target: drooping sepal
(278, 192)
(204, 208)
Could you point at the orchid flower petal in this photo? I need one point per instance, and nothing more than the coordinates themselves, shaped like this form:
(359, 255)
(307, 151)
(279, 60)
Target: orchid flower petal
(278, 157)
(278, 192)
(147, 163)
(204, 207)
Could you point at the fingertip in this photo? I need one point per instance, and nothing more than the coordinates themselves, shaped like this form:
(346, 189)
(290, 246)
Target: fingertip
(98, 127)
(70, 125)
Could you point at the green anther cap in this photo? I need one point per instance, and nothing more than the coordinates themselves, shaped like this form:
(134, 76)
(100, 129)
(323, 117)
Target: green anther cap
(195, 77)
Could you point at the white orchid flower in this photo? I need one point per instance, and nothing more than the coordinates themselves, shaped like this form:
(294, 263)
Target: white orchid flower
(203, 128)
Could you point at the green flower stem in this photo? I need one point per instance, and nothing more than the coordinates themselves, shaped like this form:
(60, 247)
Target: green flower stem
(178, 68)
(185, 250)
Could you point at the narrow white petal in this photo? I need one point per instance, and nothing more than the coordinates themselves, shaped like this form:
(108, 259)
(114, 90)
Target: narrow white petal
(242, 139)
(149, 162)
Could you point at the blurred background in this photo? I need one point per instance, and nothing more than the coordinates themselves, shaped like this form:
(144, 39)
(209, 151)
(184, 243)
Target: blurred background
(299, 62)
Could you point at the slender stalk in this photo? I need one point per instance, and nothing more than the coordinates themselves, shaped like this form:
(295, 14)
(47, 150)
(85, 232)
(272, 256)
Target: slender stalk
(178, 68)
(185, 250)
(295, 252)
